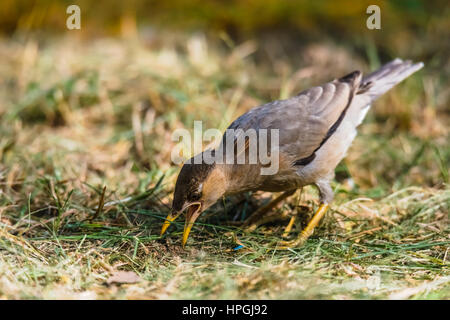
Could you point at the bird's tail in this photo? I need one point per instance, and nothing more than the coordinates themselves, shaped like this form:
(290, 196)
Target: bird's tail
(379, 82)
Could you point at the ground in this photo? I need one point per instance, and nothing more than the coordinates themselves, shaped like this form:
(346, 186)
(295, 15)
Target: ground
(86, 177)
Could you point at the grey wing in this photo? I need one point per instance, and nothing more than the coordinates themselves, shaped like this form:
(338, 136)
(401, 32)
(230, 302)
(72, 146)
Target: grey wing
(305, 121)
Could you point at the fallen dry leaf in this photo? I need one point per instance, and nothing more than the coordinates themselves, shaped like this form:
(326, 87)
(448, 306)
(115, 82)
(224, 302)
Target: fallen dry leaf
(123, 277)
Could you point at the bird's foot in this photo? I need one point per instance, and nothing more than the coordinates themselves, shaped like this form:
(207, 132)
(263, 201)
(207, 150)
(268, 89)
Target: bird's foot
(308, 231)
(251, 227)
(300, 241)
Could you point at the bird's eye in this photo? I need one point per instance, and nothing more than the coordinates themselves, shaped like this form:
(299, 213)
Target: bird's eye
(195, 196)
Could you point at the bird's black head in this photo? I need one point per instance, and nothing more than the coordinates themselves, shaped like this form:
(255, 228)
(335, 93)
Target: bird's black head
(189, 185)
(199, 185)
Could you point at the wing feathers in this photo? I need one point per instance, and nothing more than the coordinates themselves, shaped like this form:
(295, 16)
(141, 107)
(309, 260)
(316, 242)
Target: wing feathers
(334, 110)
(306, 121)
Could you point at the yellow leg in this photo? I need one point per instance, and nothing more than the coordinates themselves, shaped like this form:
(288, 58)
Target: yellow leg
(288, 228)
(308, 231)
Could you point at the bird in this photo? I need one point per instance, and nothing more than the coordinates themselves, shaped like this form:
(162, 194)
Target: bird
(315, 129)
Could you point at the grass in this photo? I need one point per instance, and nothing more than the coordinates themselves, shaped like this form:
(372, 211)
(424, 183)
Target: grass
(86, 177)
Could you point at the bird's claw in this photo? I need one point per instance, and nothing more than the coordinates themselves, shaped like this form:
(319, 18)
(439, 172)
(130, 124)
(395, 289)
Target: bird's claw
(250, 228)
(285, 245)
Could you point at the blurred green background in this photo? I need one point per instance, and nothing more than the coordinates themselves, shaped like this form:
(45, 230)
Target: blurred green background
(413, 27)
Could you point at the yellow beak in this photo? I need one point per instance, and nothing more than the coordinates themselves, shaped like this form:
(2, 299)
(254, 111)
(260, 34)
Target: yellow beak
(194, 210)
(170, 218)
(193, 213)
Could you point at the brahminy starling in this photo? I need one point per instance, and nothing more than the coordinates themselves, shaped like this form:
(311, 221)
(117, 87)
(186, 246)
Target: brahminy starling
(315, 129)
